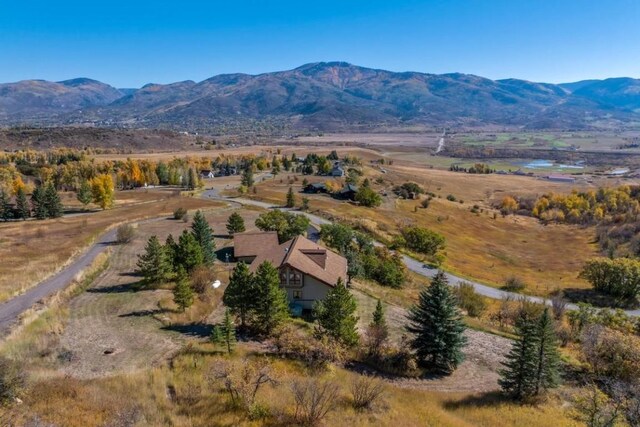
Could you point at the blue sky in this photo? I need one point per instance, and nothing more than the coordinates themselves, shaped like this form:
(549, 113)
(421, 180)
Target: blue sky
(130, 43)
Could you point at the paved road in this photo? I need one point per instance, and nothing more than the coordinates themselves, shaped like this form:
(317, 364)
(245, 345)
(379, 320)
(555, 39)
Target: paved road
(411, 263)
(12, 309)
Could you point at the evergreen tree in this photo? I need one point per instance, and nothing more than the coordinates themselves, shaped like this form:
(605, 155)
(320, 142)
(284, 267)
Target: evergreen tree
(182, 292)
(84, 194)
(228, 331)
(518, 376)
(291, 198)
(23, 210)
(548, 358)
(235, 223)
(189, 253)
(6, 208)
(204, 236)
(247, 177)
(241, 293)
(377, 332)
(217, 337)
(171, 250)
(272, 307)
(336, 315)
(38, 203)
(154, 264)
(378, 316)
(52, 201)
(437, 327)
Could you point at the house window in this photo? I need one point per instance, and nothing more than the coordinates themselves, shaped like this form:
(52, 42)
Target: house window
(295, 278)
(297, 294)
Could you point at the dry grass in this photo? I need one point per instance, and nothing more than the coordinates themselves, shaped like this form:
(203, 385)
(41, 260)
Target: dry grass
(33, 250)
(180, 395)
(478, 246)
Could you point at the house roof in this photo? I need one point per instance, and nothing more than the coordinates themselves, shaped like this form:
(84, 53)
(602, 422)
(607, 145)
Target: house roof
(349, 188)
(254, 243)
(299, 253)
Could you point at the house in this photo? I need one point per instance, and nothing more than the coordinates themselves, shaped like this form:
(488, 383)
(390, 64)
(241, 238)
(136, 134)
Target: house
(348, 192)
(307, 271)
(337, 170)
(561, 178)
(316, 187)
(206, 173)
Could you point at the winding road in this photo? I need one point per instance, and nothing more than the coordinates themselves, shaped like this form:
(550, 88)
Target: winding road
(11, 310)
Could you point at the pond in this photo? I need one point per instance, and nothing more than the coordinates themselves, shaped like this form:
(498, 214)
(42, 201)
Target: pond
(548, 164)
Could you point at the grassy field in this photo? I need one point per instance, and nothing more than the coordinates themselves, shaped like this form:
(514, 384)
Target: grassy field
(479, 246)
(33, 250)
(120, 355)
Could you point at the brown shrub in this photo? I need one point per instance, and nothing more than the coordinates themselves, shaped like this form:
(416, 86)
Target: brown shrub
(201, 279)
(313, 400)
(124, 234)
(366, 391)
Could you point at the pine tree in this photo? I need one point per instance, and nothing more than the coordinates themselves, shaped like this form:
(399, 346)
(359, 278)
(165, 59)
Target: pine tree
(38, 203)
(171, 250)
(182, 292)
(52, 200)
(217, 337)
(235, 223)
(23, 210)
(241, 293)
(336, 315)
(84, 194)
(154, 264)
(518, 376)
(548, 359)
(247, 177)
(6, 208)
(228, 330)
(272, 307)
(204, 236)
(189, 253)
(437, 327)
(291, 198)
(377, 332)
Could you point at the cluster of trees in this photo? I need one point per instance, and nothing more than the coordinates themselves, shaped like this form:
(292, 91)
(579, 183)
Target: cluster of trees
(423, 241)
(367, 196)
(286, 224)
(257, 298)
(621, 204)
(176, 260)
(477, 168)
(364, 259)
(408, 190)
(619, 277)
(533, 364)
(45, 203)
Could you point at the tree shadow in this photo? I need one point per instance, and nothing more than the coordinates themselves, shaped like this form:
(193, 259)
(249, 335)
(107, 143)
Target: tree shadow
(222, 236)
(119, 289)
(196, 330)
(597, 299)
(143, 313)
(480, 400)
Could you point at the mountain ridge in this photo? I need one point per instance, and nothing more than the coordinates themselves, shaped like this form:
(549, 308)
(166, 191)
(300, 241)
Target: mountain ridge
(327, 96)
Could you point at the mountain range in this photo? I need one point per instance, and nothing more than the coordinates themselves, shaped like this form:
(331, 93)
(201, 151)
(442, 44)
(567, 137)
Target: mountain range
(327, 96)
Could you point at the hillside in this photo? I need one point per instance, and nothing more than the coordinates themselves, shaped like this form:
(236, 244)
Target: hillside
(327, 96)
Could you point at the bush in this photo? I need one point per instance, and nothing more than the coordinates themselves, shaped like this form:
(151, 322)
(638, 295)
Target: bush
(365, 392)
(12, 380)
(451, 198)
(313, 400)
(384, 267)
(470, 301)
(179, 213)
(423, 240)
(124, 234)
(514, 284)
(612, 353)
(317, 354)
(618, 277)
(201, 279)
(425, 202)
